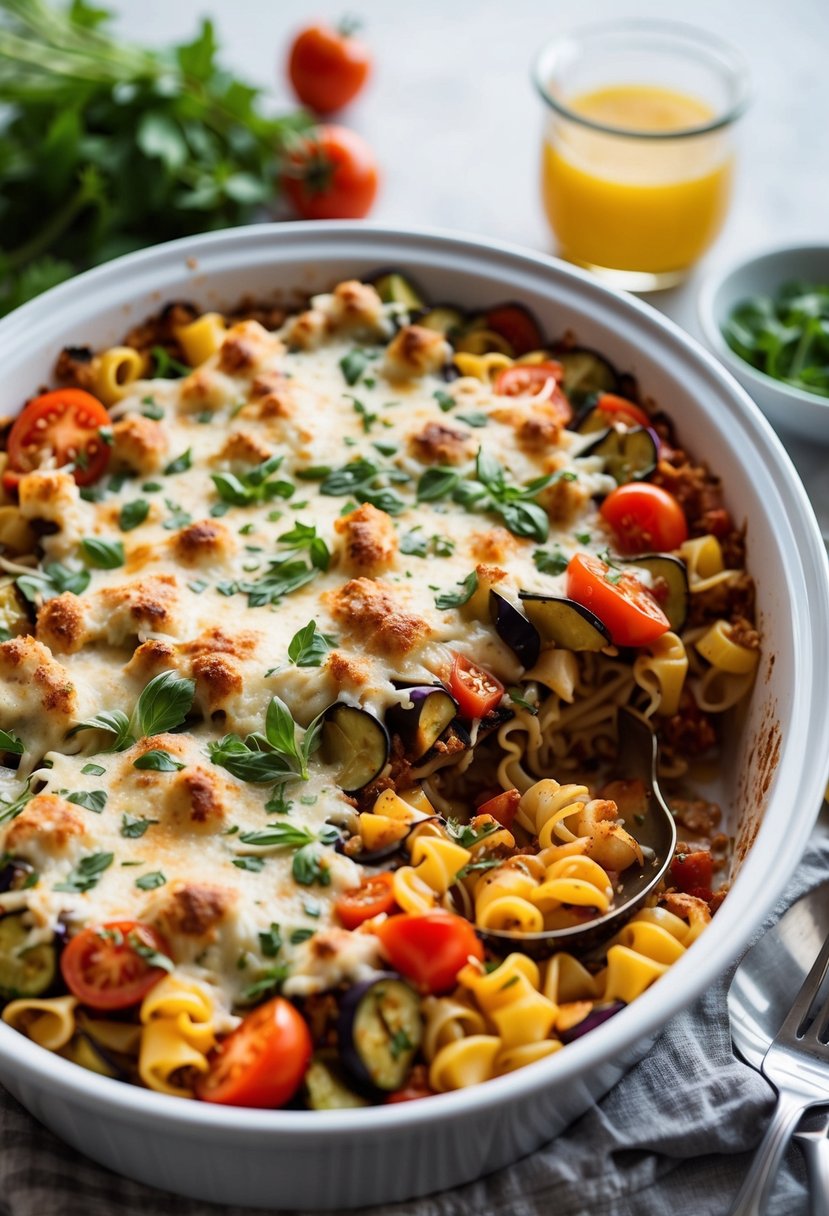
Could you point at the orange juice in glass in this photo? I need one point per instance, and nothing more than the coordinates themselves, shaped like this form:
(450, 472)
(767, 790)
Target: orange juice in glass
(637, 156)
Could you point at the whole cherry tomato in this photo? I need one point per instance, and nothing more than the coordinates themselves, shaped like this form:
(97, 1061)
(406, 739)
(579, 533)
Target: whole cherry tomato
(330, 174)
(328, 66)
(644, 517)
(430, 949)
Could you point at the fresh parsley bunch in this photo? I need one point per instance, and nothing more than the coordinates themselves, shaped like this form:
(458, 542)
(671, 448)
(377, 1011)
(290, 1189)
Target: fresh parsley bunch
(106, 147)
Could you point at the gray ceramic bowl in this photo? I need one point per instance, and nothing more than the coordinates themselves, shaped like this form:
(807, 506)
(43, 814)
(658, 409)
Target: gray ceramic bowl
(787, 408)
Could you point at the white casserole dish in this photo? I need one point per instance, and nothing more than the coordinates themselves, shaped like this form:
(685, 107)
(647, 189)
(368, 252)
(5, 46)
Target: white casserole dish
(774, 777)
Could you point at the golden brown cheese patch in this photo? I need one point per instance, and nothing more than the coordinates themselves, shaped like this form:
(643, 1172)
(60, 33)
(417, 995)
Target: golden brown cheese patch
(243, 448)
(217, 681)
(370, 539)
(39, 680)
(415, 351)
(355, 306)
(203, 541)
(307, 330)
(139, 445)
(61, 623)
(245, 347)
(193, 909)
(438, 443)
(347, 669)
(151, 657)
(47, 822)
(242, 645)
(372, 611)
(493, 545)
(203, 389)
(197, 800)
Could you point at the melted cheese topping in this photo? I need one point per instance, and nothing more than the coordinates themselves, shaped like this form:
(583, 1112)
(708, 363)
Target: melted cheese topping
(185, 599)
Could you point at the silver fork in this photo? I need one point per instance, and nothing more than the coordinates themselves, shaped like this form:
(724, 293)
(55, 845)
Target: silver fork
(797, 1064)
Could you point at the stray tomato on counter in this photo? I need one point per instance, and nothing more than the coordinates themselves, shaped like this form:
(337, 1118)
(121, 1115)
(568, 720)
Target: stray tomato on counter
(331, 174)
(328, 66)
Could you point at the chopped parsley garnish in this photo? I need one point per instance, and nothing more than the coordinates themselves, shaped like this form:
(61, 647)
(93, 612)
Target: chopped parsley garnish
(178, 517)
(149, 882)
(471, 867)
(270, 983)
(454, 599)
(355, 364)
(181, 463)
(197, 586)
(550, 561)
(289, 571)
(158, 760)
(307, 868)
(132, 514)
(366, 482)
(368, 419)
(466, 835)
(165, 367)
(253, 864)
(400, 1042)
(414, 544)
(86, 873)
(93, 770)
(517, 697)
(134, 826)
(270, 942)
(105, 554)
(475, 418)
(298, 936)
(92, 800)
(151, 956)
(308, 647)
(150, 409)
(445, 400)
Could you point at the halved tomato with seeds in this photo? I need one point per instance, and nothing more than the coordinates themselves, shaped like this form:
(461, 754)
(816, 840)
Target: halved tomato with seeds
(63, 427)
(114, 965)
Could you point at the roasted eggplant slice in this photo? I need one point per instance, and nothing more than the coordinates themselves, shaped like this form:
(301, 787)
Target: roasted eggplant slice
(393, 288)
(562, 622)
(669, 572)
(13, 617)
(421, 725)
(16, 874)
(516, 325)
(24, 972)
(628, 455)
(443, 319)
(325, 1088)
(586, 373)
(356, 742)
(379, 1031)
(513, 628)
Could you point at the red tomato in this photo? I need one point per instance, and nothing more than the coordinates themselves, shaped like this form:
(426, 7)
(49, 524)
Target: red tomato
(620, 601)
(106, 966)
(262, 1062)
(513, 322)
(502, 807)
(331, 174)
(65, 424)
(410, 1093)
(328, 67)
(644, 517)
(475, 690)
(619, 409)
(526, 379)
(431, 949)
(693, 873)
(373, 896)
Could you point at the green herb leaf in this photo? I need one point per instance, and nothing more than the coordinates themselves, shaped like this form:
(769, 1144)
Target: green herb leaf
(454, 599)
(105, 554)
(253, 864)
(163, 705)
(550, 561)
(475, 418)
(93, 770)
(436, 483)
(308, 647)
(180, 464)
(93, 800)
(134, 826)
(308, 869)
(270, 982)
(151, 881)
(158, 761)
(151, 956)
(445, 400)
(52, 579)
(354, 364)
(11, 743)
(270, 942)
(298, 936)
(86, 873)
(114, 722)
(133, 514)
(414, 543)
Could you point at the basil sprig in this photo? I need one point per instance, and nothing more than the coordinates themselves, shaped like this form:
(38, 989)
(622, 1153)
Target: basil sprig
(366, 481)
(163, 705)
(275, 757)
(256, 486)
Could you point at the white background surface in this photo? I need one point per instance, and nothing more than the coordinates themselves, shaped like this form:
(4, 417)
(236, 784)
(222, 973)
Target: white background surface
(455, 122)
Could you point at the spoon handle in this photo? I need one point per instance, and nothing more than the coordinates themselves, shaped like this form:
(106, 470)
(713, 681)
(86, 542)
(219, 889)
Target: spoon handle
(815, 1147)
(753, 1194)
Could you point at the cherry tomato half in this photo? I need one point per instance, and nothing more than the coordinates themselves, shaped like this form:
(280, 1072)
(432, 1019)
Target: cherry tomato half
(644, 517)
(693, 871)
(373, 896)
(331, 174)
(619, 409)
(503, 807)
(262, 1062)
(431, 949)
(475, 690)
(620, 601)
(110, 966)
(65, 424)
(527, 379)
(328, 67)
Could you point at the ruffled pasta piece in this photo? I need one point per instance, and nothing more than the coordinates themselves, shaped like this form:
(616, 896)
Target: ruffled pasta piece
(652, 941)
(116, 370)
(511, 999)
(577, 881)
(411, 892)
(525, 1053)
(503, 900)
(666, 920)
(202, 337)
(705, 564)
(469, 1061)
(629, 974)
(544, 807)
(725, 654)
(567, 980)
(187, 1004)
(164, 1052)
(557, 670)
(121, 1037)
(49, 1021)
(482, 367)
(438, 861)
(661, 674)
(447, 1020)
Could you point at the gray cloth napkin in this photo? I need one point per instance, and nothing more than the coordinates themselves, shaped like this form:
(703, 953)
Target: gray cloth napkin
(674, 1136)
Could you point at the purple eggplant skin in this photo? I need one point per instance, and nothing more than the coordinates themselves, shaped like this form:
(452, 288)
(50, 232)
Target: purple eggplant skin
(377, 856)
(14, 873)
(513, 628)
(420, 727)
(597, 1016)
(377, 1050)
(357, 742)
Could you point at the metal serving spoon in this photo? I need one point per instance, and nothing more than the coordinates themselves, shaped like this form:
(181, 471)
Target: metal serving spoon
(638, 750)
(759, 998)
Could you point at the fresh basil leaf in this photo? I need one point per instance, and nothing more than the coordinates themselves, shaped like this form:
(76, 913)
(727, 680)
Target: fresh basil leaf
(151, 881)
(133, 514)
(436, 483)
(92, 800)
(254, 864)
(85, 875)
(164, 704)
(526, 519)
(159, 761)
(11, 743)
(280, 728)
(93, 770)
(550, 561)
(474, 418)
(114, 722)
(270, 942)
(308, 869)
(354, 364)
(51, 580)
(180, 464)
(454, 599)
(489, 472)
(298, 936)
(258, 768)
(105, 554)
(279, 835)
(134, 826)
(308, 647)
(151, 956)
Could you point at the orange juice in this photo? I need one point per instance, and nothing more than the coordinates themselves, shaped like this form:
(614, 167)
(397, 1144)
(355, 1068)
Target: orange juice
(637, 204)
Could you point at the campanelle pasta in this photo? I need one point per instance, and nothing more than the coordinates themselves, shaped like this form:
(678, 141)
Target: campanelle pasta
(312, 645)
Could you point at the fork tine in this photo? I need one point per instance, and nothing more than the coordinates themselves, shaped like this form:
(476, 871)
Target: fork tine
(805, 998)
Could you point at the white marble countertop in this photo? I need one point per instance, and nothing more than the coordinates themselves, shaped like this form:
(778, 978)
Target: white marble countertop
(455, 123)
